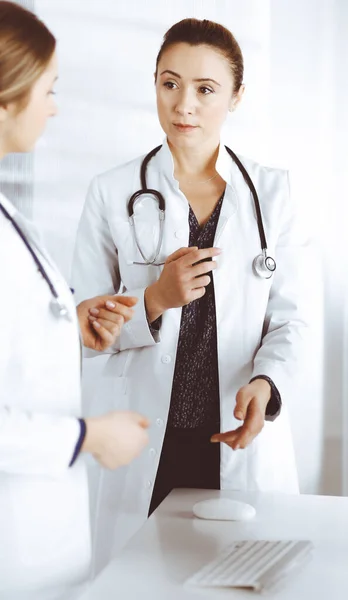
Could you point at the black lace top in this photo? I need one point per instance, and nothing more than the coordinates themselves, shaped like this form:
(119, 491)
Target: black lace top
(195, 399)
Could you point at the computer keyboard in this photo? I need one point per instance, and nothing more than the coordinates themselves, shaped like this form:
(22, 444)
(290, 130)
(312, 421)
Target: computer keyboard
(259, 565)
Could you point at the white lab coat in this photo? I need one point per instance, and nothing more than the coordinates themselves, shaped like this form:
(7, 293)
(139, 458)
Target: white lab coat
(44, 514)
(260, 323)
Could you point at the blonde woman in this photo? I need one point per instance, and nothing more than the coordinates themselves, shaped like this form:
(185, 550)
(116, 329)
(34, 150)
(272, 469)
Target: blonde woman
(45, 543)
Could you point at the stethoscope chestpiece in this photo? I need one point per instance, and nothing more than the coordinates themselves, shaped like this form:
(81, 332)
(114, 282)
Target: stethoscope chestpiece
(264, 266)
(59, 309)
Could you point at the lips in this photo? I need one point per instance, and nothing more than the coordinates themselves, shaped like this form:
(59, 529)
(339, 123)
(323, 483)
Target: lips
(184, 127)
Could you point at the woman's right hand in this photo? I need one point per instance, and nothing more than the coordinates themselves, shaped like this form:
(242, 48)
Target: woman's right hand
(101, 319)
(116, 438)
(183, 279)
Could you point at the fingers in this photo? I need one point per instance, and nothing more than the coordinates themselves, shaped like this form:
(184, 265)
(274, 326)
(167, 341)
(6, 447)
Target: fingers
(201, 282)
(126, 300)
(202, 268)
(197, 255)
(112, 325)
(196, 294)
(180, 253)
(119, 308)
(107, 332)
(228, 438)
(142, 421)
(192, 255)
(244, 435)
(252, 426)
(243, 399)
(112, 313)
(110, 300)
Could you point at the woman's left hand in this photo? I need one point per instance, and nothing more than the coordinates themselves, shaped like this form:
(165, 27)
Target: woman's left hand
(101, 319)
(251, 404)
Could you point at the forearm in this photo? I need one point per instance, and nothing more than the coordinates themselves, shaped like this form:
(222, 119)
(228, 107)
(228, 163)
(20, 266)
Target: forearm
(154, 308)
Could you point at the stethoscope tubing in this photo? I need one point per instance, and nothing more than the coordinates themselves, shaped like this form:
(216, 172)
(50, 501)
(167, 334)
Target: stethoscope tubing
(58, 308)
(269, 262)
(36, 259)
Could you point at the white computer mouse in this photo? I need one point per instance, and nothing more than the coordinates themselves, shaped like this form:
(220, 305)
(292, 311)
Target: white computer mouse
(224, 509)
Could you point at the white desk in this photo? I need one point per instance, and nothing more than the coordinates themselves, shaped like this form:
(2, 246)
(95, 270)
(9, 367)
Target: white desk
(173, 544)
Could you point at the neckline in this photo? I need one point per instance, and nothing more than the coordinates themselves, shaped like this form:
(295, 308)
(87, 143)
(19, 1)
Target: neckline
(212, 216)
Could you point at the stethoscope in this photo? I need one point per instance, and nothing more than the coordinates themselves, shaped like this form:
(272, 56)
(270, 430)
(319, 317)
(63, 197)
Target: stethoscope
(57, 306)
(263, 264)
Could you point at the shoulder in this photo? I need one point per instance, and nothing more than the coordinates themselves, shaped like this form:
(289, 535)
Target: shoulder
(272, 187)
(273, 190)
(113, 188)
(123, 176)
(266, 176)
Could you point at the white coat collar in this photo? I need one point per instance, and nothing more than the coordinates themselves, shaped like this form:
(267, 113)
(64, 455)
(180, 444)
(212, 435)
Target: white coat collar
(166, 162)
(225, 166)
(27, 227)
(8, 205)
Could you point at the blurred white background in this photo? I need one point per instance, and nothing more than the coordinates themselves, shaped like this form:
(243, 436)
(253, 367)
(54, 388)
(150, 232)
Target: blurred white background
(293, 116)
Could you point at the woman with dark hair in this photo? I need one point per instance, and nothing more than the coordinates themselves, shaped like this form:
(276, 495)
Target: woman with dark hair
(213, 347)
(44, 515)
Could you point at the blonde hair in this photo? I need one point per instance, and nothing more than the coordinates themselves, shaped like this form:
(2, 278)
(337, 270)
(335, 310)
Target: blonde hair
(26, 48)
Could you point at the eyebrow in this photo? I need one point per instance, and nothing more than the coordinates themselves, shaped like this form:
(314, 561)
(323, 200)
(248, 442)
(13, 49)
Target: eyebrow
(199, 80)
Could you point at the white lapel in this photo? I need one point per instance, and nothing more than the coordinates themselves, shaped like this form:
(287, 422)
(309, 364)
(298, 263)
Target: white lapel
(176, 204)
(230, 173)
(28, 229)
(177, 207)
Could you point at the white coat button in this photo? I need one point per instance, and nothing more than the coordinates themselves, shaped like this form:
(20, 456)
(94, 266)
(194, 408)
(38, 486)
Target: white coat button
(148, 484)
(180, 234)
(152, 452)
(166, 358)
(159, 422)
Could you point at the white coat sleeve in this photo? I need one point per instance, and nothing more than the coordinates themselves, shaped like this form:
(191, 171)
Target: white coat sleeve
(30, 443)
(96, 272)
(285, 331)
(36, 444)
